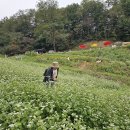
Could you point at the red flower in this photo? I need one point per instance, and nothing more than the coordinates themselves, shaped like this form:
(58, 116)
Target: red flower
(107, 43)
(82, 46)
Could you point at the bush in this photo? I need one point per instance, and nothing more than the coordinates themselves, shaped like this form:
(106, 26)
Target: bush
(128, 47)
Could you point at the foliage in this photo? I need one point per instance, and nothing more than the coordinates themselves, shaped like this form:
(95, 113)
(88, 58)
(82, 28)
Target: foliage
(114, 62)
(78, 100)
(60, 29)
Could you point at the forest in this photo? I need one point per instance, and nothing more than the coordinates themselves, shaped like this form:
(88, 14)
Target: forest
(49, 27)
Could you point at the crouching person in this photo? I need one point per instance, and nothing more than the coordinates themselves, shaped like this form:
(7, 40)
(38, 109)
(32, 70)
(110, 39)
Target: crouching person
(51, 74)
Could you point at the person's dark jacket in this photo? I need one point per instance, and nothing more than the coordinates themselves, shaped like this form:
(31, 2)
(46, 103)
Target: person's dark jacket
(48, 74)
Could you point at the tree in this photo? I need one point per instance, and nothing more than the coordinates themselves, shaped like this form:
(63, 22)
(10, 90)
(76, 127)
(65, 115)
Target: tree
(25, 21)
(93, 18)
(46, 17)
(125, 4)
(50, 27)
(72, 12)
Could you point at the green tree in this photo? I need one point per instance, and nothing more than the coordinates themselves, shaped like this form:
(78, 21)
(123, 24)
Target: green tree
(125, 4)
(93, 18)
(46, 20)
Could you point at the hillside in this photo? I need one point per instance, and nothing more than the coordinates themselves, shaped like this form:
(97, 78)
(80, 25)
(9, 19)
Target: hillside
(87, 96)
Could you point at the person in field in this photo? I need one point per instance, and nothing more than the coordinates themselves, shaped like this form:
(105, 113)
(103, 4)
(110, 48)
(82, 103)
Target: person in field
(51, 74)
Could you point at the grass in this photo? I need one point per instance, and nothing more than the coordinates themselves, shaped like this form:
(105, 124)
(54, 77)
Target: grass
(115, 62)
(82, 99)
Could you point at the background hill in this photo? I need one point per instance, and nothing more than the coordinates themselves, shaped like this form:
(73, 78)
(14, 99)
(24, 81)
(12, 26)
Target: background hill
(49, 27)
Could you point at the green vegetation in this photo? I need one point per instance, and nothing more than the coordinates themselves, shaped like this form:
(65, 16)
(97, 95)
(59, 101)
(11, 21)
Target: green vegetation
(84, 98)
(115, 62)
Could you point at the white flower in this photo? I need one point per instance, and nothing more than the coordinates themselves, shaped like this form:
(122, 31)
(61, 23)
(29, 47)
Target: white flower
(11, 125)
(29, 126)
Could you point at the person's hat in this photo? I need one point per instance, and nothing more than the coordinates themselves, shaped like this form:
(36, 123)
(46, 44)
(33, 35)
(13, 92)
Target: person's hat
(55, 64)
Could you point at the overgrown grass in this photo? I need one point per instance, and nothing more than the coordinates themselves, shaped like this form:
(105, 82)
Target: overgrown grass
(79, 100)
(115, 62)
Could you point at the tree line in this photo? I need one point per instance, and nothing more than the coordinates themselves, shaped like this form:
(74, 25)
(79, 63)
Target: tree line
(49, 27)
